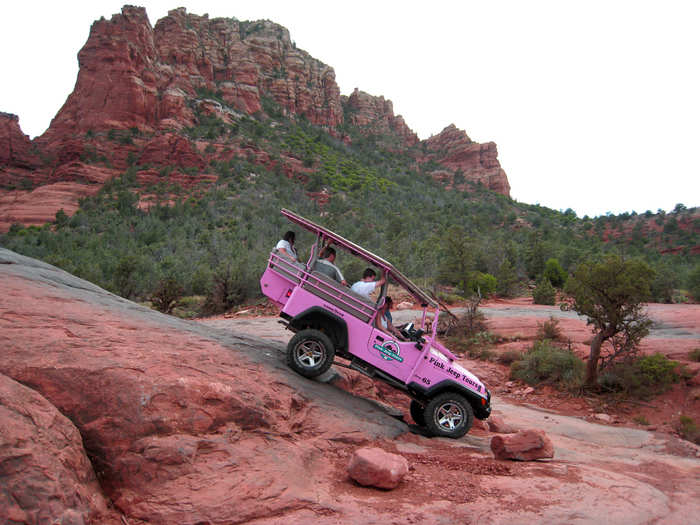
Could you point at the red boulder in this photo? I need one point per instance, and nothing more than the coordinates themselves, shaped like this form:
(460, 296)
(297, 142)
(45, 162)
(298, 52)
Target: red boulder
(525, 445)
(46, 476)
(377, 468)
(496, 424)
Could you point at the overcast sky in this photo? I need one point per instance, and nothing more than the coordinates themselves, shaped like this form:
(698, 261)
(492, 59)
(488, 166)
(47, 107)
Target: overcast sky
(594, 105)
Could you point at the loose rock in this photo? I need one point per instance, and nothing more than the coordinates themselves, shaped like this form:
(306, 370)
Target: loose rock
(496, 424)
(377, 468)
(526, 445)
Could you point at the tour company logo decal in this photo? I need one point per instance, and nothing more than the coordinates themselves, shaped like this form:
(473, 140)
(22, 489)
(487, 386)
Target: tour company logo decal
(389, 351)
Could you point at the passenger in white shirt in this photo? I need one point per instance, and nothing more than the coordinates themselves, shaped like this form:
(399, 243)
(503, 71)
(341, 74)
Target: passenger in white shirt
(286, 245)
(367, 285)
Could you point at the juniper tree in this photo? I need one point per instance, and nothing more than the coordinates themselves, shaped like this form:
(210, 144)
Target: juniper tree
(611, 294)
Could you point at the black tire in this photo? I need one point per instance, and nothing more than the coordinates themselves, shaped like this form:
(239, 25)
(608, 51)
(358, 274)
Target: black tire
(448, 415)
(417, 413)
(310, 353)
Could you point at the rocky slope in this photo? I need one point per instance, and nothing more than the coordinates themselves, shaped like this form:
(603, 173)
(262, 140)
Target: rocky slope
(190, 423)
(140, 87)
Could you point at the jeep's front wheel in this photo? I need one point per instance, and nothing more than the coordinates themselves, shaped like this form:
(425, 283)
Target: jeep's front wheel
(310, 353)
(448, 415)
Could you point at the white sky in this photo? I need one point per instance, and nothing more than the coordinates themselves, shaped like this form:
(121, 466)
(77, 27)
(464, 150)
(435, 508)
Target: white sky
(594, 105)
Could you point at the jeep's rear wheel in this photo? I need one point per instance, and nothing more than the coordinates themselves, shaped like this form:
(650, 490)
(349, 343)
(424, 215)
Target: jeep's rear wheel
(448, 415)
(417, 413)
(310, 353)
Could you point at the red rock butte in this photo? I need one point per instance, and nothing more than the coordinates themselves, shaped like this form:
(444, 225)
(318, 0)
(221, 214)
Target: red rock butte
(139, 87)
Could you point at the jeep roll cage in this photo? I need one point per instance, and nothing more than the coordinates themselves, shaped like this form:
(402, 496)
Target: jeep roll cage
(324, 237)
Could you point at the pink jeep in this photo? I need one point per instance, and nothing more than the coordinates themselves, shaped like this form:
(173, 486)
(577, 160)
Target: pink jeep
(331, 320)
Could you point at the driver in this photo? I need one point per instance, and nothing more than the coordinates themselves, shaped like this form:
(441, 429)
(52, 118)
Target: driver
(383, 321)
(367, 285)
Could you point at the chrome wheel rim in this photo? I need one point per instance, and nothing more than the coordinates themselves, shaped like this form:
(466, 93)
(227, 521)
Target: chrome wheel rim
(309, 353)
(449, 416)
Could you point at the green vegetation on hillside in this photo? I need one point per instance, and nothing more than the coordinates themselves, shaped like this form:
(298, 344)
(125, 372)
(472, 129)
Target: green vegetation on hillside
(221, 235)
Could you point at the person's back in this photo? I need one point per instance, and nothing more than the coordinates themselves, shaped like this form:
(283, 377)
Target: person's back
(286, 246)
(326, 267)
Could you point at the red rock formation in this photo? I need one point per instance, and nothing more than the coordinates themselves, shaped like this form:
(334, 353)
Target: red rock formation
(377, 115)
(117, 81)
(39, 206)
(15, 147)
(182, 428)
(466, 160)
(46, 476)
(245, 61)
(157, 81)
(170, 149)
(189, 423)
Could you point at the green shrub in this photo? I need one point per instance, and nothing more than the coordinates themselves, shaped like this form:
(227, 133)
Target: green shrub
(641, 377)
(546, 363)
(694, 283)
(641, 420)
(61, 218)
(554, 273)
(129, 275)
(166, 295)
(507, 277)
(449, 298)
(231, 286)
(694, 355)
(657, 369)
(480, 283)
(475, 345)
(689, 429)
(549, 330)
(509, 356)
(545, 293)
(190, 306)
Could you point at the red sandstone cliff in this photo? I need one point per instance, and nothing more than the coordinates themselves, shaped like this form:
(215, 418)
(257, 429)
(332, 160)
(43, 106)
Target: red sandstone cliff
(133, 75)
(377, 116)
(139, 87)
(16, 150)
(465, 161)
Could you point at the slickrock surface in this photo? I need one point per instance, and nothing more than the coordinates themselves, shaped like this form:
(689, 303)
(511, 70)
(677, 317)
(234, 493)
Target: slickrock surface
(44, 472)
